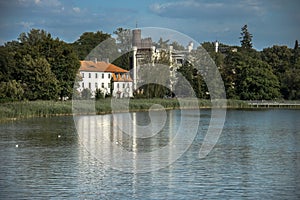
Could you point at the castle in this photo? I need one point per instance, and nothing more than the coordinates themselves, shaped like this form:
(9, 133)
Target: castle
(143, 49)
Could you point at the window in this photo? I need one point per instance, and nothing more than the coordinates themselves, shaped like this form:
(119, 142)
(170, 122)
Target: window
(108, 75)
(96, 85)
(102, 85)
(96, 75)
(123, 85)
(118, 85)
(89, 75)
(102, 75)
(90, 85)
(82, 85)
(108, 85)
(82, 74)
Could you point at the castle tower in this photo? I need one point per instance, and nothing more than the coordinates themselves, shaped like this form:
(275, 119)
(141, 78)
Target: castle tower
(136, 38)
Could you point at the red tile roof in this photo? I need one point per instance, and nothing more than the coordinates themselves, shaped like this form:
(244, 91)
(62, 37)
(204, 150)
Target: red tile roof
(121, 77)
(91, 66)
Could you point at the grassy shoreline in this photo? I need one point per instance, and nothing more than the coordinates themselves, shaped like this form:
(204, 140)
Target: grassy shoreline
(29, 109)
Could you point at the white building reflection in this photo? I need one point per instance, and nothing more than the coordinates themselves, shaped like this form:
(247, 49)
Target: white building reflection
(118, 140)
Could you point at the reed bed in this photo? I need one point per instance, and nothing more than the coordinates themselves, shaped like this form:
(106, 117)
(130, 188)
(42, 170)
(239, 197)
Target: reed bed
(27, 109)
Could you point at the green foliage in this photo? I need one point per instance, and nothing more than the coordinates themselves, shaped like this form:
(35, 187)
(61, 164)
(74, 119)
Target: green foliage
(190, 82)
(86, 93)
(291, 84)
(257, 81)
(45, 67)
(286, 64)
(38, 80)
(163, 44)
(177, 46)
(87, 42)
(40, 67)
(124, 39)
(279, 57)
(249, 78)
(246, 38)
(7, 63)
(99, 94)
(11, 90)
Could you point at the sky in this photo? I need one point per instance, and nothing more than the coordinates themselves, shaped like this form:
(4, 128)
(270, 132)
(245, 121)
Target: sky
(275, 22)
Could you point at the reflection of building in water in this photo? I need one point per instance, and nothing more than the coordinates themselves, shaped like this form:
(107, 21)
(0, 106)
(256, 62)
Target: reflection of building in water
(104, 139)
(144, 52)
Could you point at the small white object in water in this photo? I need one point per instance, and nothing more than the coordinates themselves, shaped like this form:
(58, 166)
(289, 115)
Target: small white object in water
(58, 136)
(117, 142)
(17, 145)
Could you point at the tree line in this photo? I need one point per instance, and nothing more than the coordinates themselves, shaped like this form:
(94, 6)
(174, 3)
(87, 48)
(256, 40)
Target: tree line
(273, 73)
(38, 66)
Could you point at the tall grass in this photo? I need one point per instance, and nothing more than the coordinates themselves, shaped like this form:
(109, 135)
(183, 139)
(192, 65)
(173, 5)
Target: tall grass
(26, 109)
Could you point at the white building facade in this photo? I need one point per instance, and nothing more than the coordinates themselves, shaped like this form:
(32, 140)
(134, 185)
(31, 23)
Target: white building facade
(106, 77)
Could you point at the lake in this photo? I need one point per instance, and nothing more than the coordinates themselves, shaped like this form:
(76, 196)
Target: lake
(257, 156)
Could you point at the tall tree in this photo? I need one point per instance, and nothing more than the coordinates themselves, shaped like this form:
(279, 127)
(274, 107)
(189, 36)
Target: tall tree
(7, 64)
(43, 49)
(38, 80)
(257, 81)
(296, 45)
(246, 38)
(87, 42)
(124, 41)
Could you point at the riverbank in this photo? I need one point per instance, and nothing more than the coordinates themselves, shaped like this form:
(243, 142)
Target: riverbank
(28, 109)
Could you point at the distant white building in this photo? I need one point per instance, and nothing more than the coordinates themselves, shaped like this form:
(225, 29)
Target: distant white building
(106, 77)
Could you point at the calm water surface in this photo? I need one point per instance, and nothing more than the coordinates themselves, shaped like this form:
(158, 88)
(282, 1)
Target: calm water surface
(256, 157)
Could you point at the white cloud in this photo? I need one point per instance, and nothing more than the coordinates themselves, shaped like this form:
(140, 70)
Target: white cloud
(42, 3)
(76, 9)
(26, 25)
(196, 9)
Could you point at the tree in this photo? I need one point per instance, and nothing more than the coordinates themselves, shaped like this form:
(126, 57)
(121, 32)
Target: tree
(296, 45)
(86, 93)
(99, 94)
(11, 90)
(87, 42)
(38, 80)
(124, 41)
(279, 57)
(233, 63)
(256, 81)
(291, 84)
(39, 45)
(163, 44)
(177, 46)
(246, 38)
(191, 75)
(7, 64)
(64, 64)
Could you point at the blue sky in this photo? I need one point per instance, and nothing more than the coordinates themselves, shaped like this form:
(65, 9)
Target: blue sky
(270, 22)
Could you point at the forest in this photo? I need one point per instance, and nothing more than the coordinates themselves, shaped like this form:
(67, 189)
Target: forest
(37, 66)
